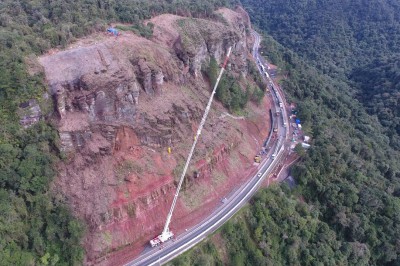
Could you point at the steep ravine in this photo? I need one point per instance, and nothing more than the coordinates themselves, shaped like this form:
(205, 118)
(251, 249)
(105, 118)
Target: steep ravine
(121, 103)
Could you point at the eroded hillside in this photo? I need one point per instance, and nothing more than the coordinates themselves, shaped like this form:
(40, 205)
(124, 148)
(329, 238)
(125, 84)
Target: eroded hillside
(122, 103)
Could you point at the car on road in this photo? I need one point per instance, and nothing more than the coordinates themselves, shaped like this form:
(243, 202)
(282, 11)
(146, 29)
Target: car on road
(259, 175)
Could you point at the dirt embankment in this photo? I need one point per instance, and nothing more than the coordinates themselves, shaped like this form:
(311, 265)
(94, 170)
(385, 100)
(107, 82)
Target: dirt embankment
(127, 109)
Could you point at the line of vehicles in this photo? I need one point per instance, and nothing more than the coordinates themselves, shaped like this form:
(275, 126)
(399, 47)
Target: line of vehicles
(279, 109)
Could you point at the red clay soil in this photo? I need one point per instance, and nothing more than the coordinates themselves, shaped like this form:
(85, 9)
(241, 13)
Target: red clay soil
(152, 191)
(185, 217)
(178, 226)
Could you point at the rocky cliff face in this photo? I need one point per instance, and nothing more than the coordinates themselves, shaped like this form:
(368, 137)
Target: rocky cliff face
(127, 109)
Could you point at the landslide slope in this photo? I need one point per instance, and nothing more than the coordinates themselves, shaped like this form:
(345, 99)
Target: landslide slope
(122, 103)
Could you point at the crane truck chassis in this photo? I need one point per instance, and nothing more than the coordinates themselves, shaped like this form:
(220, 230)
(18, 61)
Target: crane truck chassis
(161, 238)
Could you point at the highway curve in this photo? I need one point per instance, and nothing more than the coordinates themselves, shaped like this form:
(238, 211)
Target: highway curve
(234, 202)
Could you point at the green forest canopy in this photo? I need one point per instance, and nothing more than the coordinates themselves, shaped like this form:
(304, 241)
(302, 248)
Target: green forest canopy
(355, 41)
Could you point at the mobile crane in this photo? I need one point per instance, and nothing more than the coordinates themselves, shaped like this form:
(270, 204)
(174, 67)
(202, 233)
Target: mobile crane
(166, 233)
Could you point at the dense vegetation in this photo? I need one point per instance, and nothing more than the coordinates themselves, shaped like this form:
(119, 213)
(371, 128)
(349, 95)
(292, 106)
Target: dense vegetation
(352, 174)
(340, 60)
(203, 254)
(355, 41)
(278, 229)
(229, 91)
(379, 84)
(36, 227)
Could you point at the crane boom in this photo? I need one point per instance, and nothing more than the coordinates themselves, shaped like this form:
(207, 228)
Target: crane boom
(165, 233)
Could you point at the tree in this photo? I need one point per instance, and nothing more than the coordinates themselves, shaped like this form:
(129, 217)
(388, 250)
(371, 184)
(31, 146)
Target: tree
(256, 94)
(223, 93)
(212, 72)
(300, 150)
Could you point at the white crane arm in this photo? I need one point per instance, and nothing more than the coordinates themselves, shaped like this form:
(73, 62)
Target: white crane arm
(203, 120)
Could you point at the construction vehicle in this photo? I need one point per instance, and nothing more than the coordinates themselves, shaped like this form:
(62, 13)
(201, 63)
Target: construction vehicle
(257, 159)
(161, 238)
(166, 234)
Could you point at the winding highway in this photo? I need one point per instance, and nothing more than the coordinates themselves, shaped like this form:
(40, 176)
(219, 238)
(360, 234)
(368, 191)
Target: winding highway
(235, 201)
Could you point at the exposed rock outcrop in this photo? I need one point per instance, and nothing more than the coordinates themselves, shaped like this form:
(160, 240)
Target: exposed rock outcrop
(30, 113)
(151, 79)
(127, 110)
(201, 39)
